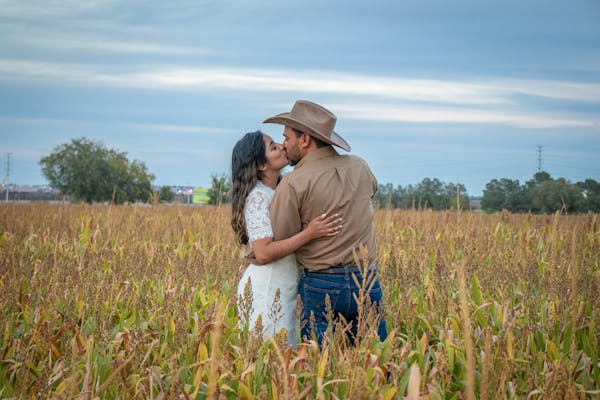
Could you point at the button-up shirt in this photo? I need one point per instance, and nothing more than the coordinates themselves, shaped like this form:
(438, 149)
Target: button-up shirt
(327, 182)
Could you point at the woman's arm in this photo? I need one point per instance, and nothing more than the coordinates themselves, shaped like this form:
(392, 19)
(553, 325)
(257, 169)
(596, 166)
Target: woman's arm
(267, 250)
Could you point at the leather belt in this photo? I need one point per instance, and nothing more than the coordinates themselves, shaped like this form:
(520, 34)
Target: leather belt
(343, 270)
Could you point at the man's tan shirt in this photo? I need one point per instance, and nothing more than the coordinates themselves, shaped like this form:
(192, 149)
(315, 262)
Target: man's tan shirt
(326, 182)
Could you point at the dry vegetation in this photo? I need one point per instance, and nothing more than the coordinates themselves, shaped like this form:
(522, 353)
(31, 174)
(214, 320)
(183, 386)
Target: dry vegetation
(132, 302)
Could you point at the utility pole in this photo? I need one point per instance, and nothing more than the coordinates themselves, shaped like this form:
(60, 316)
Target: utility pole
(539, 151)
(7, 174)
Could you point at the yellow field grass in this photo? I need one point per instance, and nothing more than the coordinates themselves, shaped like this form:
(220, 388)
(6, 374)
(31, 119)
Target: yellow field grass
(135, 301)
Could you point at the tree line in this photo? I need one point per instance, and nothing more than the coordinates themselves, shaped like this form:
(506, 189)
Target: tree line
(428, 194)
(88, 171)
(542, 194)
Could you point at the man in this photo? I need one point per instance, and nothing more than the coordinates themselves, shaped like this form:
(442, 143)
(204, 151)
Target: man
(325, 181)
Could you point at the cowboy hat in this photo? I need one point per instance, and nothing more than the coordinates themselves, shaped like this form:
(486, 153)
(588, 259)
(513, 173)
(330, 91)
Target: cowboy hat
(313, 119)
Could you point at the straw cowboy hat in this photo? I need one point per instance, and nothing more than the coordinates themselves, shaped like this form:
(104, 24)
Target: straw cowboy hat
(313, 119)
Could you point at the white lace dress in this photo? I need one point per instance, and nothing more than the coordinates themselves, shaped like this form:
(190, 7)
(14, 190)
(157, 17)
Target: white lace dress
(265, 279)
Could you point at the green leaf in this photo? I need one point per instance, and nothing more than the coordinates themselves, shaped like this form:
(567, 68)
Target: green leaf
(476, 295)
(567, 338)
(552, 350)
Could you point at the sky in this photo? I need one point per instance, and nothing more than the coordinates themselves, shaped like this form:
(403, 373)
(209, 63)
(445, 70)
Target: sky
(461, 91)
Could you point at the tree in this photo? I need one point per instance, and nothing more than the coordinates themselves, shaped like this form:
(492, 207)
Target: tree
(165, 194)
(539, 177)
(504, 194)
(131, 182)
(556, 194)
(429, 193)
(220, 190)
(89, 171)
(434, 194)
(385, 196)
(590, 189)
(452, 199)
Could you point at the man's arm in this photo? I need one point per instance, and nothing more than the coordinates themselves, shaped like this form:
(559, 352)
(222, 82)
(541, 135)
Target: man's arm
(267, 249)
(373, 179)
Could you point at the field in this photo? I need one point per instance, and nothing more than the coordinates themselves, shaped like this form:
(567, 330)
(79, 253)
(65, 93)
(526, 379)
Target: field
(138, 302)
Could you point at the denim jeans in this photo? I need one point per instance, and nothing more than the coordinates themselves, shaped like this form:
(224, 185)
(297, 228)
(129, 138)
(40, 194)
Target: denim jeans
(341, 289)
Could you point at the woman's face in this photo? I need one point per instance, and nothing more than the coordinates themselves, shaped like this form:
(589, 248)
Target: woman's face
(275, 154)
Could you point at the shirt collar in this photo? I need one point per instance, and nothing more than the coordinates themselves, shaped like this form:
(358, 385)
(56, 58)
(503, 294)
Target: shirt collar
(322, 152)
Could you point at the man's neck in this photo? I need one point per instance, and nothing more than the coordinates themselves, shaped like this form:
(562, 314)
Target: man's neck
(316, 154)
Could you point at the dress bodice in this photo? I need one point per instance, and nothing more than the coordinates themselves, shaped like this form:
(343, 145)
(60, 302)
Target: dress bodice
(256, 212)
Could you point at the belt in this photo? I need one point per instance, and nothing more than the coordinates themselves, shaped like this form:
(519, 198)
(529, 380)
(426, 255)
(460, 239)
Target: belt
(343, 270)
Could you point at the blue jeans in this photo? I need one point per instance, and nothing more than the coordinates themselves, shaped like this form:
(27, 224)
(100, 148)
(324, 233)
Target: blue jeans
(341, 288)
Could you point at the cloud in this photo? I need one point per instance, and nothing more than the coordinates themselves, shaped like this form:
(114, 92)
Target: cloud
(159, 128)
(575, 91)
(95, 44)
(184, 129)
(431, 101)
(317, 82)
(95, 38)
(453, 115)
(39, 9)
(201, 78)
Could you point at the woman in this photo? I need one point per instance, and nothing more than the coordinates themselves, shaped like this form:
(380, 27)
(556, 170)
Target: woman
(256, 163)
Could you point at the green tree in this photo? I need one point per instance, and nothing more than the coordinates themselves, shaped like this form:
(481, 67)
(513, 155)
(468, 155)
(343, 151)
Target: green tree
(88, 171)
(539, 177)
(220, 190)
(455, 196)
(385, 196)
(429, 193)
(590, 189)
(132, 181)
(165, 194)
(557, 194)
(434, 194)
(406, 197)
(505, 194)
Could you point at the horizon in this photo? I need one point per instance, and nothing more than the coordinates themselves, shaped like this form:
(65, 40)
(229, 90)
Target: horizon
(461, 92)
(12, 186)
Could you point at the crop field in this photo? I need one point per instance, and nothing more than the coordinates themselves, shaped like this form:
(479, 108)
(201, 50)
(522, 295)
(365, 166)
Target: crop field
(139, 302)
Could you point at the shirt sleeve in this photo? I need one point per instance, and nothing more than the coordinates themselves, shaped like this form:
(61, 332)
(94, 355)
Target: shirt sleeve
(373, 182)
(285, 211)
(371, 177)
(256, 214)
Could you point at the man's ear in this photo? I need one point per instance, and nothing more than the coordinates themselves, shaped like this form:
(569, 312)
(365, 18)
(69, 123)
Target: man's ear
(305, 140)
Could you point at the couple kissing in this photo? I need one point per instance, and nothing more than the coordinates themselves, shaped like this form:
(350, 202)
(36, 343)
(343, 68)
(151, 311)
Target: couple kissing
(305, 232)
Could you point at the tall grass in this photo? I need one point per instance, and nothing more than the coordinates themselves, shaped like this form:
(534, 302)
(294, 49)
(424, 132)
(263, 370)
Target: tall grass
(140, 302)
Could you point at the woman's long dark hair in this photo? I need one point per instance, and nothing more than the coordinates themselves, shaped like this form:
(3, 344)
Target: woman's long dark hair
(248, 154)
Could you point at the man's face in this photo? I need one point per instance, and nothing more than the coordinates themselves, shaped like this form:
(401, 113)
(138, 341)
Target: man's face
(291, 145)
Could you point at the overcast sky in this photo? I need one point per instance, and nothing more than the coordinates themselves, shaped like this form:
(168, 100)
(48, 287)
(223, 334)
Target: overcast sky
(456, 90)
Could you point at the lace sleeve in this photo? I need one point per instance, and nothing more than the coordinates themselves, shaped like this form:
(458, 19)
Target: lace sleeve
(256, 212)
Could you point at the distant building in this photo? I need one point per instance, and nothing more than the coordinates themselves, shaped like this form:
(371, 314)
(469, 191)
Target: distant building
(32, 193)
(475, 203)
(200, 196)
